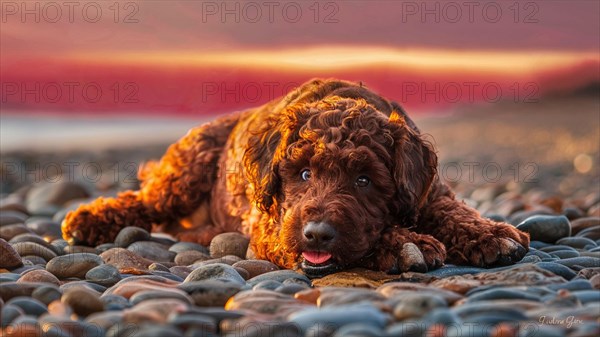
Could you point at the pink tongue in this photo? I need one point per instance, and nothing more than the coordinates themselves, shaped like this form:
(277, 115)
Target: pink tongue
(316, 257)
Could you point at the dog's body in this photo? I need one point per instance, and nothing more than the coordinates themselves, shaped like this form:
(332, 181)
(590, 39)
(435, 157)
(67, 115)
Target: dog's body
(329, 177)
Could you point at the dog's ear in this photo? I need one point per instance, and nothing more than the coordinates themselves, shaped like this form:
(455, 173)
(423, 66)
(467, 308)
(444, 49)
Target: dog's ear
(261, 163)
(267, 145)
(415, 162)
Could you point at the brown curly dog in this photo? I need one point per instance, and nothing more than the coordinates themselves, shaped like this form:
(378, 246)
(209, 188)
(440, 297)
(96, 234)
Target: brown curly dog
(329, 177)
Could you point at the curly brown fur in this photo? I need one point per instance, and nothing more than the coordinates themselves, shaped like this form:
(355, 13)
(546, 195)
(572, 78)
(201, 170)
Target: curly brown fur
(329, 177)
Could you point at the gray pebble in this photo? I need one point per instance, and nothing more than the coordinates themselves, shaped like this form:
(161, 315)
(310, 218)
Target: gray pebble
(540, 330)
(229, 244)
(573, 285)
(538, 244)
(280, 276)
(104, 247)
(10, 277)
(228, 259)
(501, 293)
(115, 302)
(553, 248)
(520, 216)
(448, 271)
(189, 257)
(46, 294)
(185, 246)
(267, 285)
(577, 263)
(59, 246)
(337, 317)
(210, 293)
(546, 228)
(565, 254)
(9, 313)
(65, 326)
(30, 237)
(557, 269)
(11, 217)
(488, 308)
(215, 271)
(491, 319)
(530, 259)
(156, 331)
(30, 306)
(576, 242)
(73, 265)
(408, 329)
(10, 290)
(291, 289)
(32, 248)
(587, 296)
(358, 329)
(442, 316)
(152, 251)
(44, 226)
(9, 257)
(573, 213)
(187, 320)
(47, 198)
(35, 260)
(129, 235)
(539, 253)
(80, 249)
(168, 275)
(144, 295)
(106, 275)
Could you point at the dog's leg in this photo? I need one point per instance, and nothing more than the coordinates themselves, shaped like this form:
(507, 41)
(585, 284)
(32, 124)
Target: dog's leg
(469, 238)
(171, 189)
(401, 249)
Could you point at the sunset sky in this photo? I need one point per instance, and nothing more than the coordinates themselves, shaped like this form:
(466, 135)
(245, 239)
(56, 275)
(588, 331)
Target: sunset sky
(189, 57)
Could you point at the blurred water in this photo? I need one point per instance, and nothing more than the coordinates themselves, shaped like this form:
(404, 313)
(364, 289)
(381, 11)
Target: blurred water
(43, 133)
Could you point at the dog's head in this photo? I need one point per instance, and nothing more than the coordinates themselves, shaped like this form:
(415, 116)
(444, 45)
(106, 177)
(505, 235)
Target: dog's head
(334, 173)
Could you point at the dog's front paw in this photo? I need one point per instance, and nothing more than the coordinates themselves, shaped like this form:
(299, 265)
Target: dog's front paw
(497, 244)
(84, 227)
(100, 221)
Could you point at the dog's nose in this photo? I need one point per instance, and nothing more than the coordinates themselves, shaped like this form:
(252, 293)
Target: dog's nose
(318, 232)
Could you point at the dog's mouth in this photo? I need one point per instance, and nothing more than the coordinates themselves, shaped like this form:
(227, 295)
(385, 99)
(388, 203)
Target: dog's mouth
(318, 264)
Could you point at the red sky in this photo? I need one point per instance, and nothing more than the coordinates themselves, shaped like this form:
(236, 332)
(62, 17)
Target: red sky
(189, 56)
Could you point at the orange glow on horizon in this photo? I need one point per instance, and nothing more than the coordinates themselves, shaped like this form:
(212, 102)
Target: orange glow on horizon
(335, 58)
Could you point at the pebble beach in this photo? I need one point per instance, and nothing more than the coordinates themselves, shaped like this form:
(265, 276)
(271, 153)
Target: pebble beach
(147, 284)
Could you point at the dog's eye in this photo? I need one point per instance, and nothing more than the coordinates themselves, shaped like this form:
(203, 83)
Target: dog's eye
(305, 174)
(363, 181)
